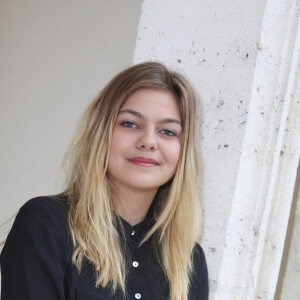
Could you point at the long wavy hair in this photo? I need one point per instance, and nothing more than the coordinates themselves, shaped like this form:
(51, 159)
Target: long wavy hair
(91, 216)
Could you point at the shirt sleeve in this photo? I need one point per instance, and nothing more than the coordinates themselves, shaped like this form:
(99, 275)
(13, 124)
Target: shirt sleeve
(199, 278)
(35, 254)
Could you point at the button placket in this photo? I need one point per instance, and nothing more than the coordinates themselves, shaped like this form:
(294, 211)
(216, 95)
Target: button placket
(135, 263)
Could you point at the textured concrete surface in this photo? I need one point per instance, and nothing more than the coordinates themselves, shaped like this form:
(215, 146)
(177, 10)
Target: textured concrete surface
(215, 45)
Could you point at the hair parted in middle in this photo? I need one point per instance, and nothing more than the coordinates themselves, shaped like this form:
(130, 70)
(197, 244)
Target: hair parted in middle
(91, 216)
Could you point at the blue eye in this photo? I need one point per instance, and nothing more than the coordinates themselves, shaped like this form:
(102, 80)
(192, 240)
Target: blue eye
(168, 132)
(129, 124)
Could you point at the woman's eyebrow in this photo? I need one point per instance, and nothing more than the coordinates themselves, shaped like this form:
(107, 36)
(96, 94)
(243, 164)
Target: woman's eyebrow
(133, 112)
(170, 120)
(141, 116)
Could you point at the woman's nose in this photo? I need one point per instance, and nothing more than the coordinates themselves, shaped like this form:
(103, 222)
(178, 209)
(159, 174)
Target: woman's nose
(147, 141)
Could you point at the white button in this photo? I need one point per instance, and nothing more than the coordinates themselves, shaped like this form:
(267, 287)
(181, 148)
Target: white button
(133, 232)
(135, 264)
(138, 296)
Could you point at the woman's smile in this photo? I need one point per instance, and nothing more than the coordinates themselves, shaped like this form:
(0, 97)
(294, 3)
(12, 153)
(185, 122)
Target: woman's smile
(143, 161)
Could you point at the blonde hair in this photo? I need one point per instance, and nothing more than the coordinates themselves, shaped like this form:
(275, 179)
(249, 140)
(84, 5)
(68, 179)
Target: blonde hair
(91, 217)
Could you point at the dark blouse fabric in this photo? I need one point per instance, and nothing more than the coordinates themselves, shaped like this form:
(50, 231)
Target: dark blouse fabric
(36, 261)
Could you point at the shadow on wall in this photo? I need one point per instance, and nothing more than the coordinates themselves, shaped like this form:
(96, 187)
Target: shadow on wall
(286, 289)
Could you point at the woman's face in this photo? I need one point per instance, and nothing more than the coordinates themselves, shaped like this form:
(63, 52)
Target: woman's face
(146, 141)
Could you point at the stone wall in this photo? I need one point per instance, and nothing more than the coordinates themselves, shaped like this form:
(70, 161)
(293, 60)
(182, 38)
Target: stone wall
(243, 60)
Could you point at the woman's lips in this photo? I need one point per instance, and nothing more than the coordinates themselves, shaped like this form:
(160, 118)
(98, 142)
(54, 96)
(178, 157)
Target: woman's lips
(143, 161)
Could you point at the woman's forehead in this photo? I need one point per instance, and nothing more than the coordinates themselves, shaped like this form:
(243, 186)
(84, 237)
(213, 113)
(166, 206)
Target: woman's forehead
(152, 102)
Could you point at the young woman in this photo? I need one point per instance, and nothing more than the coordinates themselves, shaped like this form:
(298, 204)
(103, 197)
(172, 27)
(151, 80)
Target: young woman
(127, 223)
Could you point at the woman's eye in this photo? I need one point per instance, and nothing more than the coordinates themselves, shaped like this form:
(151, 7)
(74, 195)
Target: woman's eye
(129, 124)
(168, 132)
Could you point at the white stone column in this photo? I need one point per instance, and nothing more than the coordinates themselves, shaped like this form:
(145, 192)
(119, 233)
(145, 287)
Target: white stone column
(215, 46)
(243, 59)
(270, 153)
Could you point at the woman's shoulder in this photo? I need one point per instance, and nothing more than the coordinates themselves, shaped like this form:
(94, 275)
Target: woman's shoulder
(47, 202)
(199, 278)
(40, 225)
(43, 209)
(199, 261)
(198, 252)
(56, 205)
(45, 215)
(36, 253)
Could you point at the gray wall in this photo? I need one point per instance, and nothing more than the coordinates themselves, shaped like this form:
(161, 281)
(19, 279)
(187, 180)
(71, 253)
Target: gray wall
(55, 58)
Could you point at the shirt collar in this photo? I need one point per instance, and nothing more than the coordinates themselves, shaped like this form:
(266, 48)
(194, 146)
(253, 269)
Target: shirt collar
(139, 230)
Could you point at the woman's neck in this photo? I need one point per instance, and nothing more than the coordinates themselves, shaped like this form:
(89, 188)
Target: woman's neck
(133, 205)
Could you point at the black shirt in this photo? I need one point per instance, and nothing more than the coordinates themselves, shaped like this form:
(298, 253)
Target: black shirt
(36, 261)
